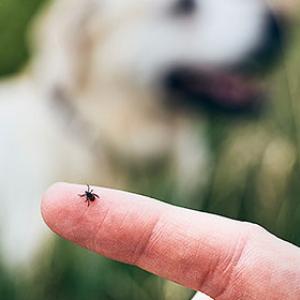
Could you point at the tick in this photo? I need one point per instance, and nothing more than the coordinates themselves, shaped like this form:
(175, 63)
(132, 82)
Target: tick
(89, 195)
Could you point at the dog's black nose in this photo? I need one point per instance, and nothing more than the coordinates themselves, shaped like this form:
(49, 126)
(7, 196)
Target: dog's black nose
(185, 7)
(271, 46)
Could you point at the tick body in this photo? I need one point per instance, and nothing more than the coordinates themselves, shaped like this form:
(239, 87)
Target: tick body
(89, 195)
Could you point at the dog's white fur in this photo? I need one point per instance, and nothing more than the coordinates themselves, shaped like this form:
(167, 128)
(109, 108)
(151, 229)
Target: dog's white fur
(103, 60)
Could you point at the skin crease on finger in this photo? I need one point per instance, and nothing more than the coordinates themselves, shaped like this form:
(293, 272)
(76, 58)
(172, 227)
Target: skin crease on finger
(223, 258)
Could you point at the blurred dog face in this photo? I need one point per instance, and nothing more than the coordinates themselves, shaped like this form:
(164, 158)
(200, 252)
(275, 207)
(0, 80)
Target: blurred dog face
(201, 50)
(118, 62)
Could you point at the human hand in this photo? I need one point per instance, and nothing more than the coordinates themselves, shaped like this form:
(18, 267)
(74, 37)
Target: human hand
(223, 258)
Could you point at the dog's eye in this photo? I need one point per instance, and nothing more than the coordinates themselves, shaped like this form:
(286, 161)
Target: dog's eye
(184, 7)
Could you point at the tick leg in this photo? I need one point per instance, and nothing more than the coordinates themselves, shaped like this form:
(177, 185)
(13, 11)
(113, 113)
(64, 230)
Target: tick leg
(95, 195)
(88, 187)
(81, 195)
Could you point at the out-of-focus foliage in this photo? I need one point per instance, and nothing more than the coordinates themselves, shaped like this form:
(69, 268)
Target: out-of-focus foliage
(15, 16)
(257, 171)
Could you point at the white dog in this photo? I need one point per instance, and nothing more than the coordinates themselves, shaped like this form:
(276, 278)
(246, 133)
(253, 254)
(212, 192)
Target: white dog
(115, 81)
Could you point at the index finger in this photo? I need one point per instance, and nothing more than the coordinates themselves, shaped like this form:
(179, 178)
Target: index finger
(212, 254)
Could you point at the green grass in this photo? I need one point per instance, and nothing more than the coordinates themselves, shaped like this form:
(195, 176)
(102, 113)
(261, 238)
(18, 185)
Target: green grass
(257, 170)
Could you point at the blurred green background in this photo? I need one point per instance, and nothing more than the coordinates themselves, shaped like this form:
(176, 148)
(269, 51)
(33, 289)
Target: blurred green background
(255, 177)
(15, 16)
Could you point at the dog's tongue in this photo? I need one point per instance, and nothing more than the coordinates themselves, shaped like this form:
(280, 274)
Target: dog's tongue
(227, 89)
(233, 89)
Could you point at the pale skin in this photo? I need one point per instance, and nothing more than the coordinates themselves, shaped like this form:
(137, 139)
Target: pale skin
(223, 258)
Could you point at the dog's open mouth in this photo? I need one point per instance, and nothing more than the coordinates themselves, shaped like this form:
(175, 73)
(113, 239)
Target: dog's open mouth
(229, 91)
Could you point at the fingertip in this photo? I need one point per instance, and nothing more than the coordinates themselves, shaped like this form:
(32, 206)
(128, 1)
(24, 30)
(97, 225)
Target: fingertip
(50, 198)
(53, 190)
(59, 207)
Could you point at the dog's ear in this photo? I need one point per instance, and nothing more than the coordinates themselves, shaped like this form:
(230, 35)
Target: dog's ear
(63, 43)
